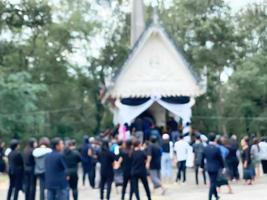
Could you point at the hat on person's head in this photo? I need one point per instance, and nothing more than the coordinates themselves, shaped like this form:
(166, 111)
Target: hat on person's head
(91, 139)
(165, 136)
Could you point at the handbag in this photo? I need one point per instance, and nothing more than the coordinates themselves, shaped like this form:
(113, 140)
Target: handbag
(118, 177)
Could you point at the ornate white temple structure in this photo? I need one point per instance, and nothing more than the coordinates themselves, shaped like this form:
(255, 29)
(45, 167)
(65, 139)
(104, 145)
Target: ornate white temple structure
(155, 77)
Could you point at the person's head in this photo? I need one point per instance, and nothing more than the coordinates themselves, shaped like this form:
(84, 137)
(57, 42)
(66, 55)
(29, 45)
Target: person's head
(32, 143)
(181, 136)
(212, 137)
(233, 137)
(198, 137)
(73, 143)
(245, 142)
(68, 143)
(153, 139)
(165, 137)
(105, 146)
(128, 144)
(91, 140)
(57, 144)
(2, 144)
(136, 143)
(14, 144)
(44, 141)
(219, 140)
(85, 139)
(120, 143)
(256, 140)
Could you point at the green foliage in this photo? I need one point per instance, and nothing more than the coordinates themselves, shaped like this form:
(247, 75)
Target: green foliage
(42, 92)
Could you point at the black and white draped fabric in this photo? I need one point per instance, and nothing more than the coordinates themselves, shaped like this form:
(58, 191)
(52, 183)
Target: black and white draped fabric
(130, 108)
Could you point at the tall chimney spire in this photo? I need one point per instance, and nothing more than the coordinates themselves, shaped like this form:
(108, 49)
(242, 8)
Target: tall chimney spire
(137, 20)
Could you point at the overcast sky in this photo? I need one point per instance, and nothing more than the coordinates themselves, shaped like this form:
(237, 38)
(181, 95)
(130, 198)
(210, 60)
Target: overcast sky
(237, 4)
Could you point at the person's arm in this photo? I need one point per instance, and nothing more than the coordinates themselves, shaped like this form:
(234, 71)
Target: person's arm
(220, 158)
(149, 157)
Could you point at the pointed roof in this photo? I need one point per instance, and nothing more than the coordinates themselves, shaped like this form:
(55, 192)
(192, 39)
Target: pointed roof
(155, 67)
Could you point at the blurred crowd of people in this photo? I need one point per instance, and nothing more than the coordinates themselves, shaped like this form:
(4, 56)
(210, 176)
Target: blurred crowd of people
(125, 157)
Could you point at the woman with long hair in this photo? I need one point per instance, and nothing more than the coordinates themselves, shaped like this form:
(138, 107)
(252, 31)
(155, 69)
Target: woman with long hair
(126, 162)
(246, 161)
(29, 178)
(139, 171)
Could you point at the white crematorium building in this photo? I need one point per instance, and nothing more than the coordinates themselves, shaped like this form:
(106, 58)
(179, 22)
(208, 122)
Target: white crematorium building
(155, 78)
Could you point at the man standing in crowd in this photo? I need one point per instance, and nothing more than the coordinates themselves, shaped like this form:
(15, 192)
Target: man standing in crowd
(72, 159)
(55, 172)
(173, 128)
(40, 154)
(15, 170)
(181, 149)
(92, 151)
(198, 150)
(154, 163)
(214, 163)
(86, 159)
(166, 158)
(138, 129)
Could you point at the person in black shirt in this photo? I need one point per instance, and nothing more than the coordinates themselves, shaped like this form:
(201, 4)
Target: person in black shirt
(166, 157)
(154, 163)
(29, 164)
(246, 161)
(232, 159)
(126, 162)
(173, 128)
(86, 159)
(139, 171)
(72, 159)
(2, 153)
(15, 171)
(106, 159)
(198, 149)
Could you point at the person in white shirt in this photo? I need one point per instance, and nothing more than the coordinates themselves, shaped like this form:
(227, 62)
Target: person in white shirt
(263, 154)
(181, 149)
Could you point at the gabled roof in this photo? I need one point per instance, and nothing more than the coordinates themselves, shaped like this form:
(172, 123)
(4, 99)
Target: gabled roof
(155, 67)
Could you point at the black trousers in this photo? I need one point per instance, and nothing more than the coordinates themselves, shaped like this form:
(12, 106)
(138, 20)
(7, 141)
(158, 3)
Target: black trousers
(29, 185)
(126, 180)
(105, 180)
(15, 185)
(73, 184)
(135, 189)
(213, 185)
(92, 176)
(181, 165)
(197, 167)
(86, 171)
(264, 166)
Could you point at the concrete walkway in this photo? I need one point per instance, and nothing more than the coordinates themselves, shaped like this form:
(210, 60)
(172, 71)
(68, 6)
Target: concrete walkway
(188, 191)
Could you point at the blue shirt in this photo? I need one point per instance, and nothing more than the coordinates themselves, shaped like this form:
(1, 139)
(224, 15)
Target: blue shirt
(55, 171)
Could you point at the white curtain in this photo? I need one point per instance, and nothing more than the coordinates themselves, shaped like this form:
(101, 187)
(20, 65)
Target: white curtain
(126, 114)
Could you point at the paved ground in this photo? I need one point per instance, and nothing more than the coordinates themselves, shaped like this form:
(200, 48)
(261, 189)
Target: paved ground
(188, 191)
